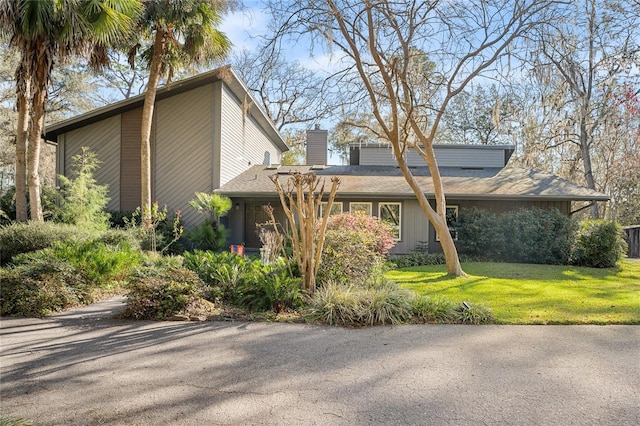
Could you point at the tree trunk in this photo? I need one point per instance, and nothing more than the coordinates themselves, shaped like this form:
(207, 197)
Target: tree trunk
(147, 123)
(22, 133)
(586, 161)
(437, 218)
(33, 152)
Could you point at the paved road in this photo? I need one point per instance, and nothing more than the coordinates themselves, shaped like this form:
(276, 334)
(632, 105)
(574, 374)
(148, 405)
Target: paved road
(81, 369)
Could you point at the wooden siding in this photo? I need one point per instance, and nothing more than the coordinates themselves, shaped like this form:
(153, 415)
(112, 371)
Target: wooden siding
(242, 141)
(130, 184)
(447, 157)
(102, 138)
(184, 150)
(633, 239)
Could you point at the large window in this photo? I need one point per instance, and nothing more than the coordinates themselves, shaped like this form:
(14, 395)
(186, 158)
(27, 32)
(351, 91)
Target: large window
(390, 213)
(336, 208)
(452, 217)
(362, 208)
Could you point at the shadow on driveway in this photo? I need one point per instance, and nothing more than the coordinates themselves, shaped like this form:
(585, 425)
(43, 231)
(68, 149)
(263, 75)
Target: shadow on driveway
(85, 368)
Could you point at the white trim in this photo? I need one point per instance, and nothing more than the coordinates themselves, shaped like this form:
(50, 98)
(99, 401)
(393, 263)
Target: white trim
(453, 234)
(333, 207)
(399, 218)
(363, 203)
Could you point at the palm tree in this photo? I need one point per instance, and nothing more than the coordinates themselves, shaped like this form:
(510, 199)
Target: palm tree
(181, 32)
(46, 31)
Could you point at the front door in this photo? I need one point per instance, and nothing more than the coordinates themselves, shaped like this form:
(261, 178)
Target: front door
(254, 216)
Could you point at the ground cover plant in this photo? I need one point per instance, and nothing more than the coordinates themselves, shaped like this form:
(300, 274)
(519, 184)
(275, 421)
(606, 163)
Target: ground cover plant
(536, 294)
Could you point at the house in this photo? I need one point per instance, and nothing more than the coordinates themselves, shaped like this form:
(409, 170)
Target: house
(209, 135)
(473, 176)
(207, 130)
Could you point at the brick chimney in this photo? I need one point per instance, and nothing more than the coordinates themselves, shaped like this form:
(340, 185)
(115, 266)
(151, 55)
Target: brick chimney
(316, 146)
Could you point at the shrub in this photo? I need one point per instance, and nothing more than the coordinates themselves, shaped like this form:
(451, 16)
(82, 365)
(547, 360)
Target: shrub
(479, 233)
(416, 259)
(537, 236)
(83, 200)
(41, 287)
(220, 271)
(97, 261)
(354, 248)
(351, 305)
(600, 244)
(276, 290)
(31, 236)
(163, 293)
(164, 232)
(206, 237)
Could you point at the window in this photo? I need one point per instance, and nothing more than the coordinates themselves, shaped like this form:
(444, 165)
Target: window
(452, 217)
(390, 213)
(362, 208)
(336, 208)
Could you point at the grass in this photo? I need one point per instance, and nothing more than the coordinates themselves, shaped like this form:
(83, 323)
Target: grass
(536, 294)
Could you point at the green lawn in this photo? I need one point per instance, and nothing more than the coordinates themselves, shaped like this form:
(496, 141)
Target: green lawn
(537, 294)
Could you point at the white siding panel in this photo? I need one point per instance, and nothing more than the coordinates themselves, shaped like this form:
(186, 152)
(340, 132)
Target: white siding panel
(243, 143)
(102, 138)
(184, 149)
(446, 157)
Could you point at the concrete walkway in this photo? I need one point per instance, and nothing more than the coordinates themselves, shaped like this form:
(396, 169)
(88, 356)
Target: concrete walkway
(83, 368)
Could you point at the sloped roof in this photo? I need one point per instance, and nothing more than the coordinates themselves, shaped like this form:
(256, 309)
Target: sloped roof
(388, 182)
(224, 73)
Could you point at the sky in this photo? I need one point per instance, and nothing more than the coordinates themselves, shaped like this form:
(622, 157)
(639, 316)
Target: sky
(244, 27)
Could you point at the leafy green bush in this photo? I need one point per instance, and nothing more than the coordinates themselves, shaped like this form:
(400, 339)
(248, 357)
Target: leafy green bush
(276, 290)
(537, 236)
(429, 309)
(162, 293)
(600, 244)
(83, 200)
(221, 272)
(31, 236)
(66, 274)
(352, 305)
(41, 287)
(532, 235)
(355, 247)
(206, 237)
(97, 261)
(479, 233)
(416, 259)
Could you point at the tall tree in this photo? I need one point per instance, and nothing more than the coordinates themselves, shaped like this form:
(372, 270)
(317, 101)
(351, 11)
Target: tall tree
(390, 48)
(180, 33)
(45, 31)
(583, 58)
(287, 91)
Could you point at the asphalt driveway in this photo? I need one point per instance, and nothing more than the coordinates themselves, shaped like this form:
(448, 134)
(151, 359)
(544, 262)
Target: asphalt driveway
(80, 368)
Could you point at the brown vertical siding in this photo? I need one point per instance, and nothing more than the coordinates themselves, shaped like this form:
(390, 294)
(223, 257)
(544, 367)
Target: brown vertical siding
(130, 129)
(102, 138)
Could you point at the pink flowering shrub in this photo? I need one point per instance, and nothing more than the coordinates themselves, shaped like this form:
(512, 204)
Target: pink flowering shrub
(354, 248)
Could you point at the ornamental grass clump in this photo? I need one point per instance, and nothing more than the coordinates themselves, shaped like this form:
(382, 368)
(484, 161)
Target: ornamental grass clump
(350, 305)
(433, 309)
